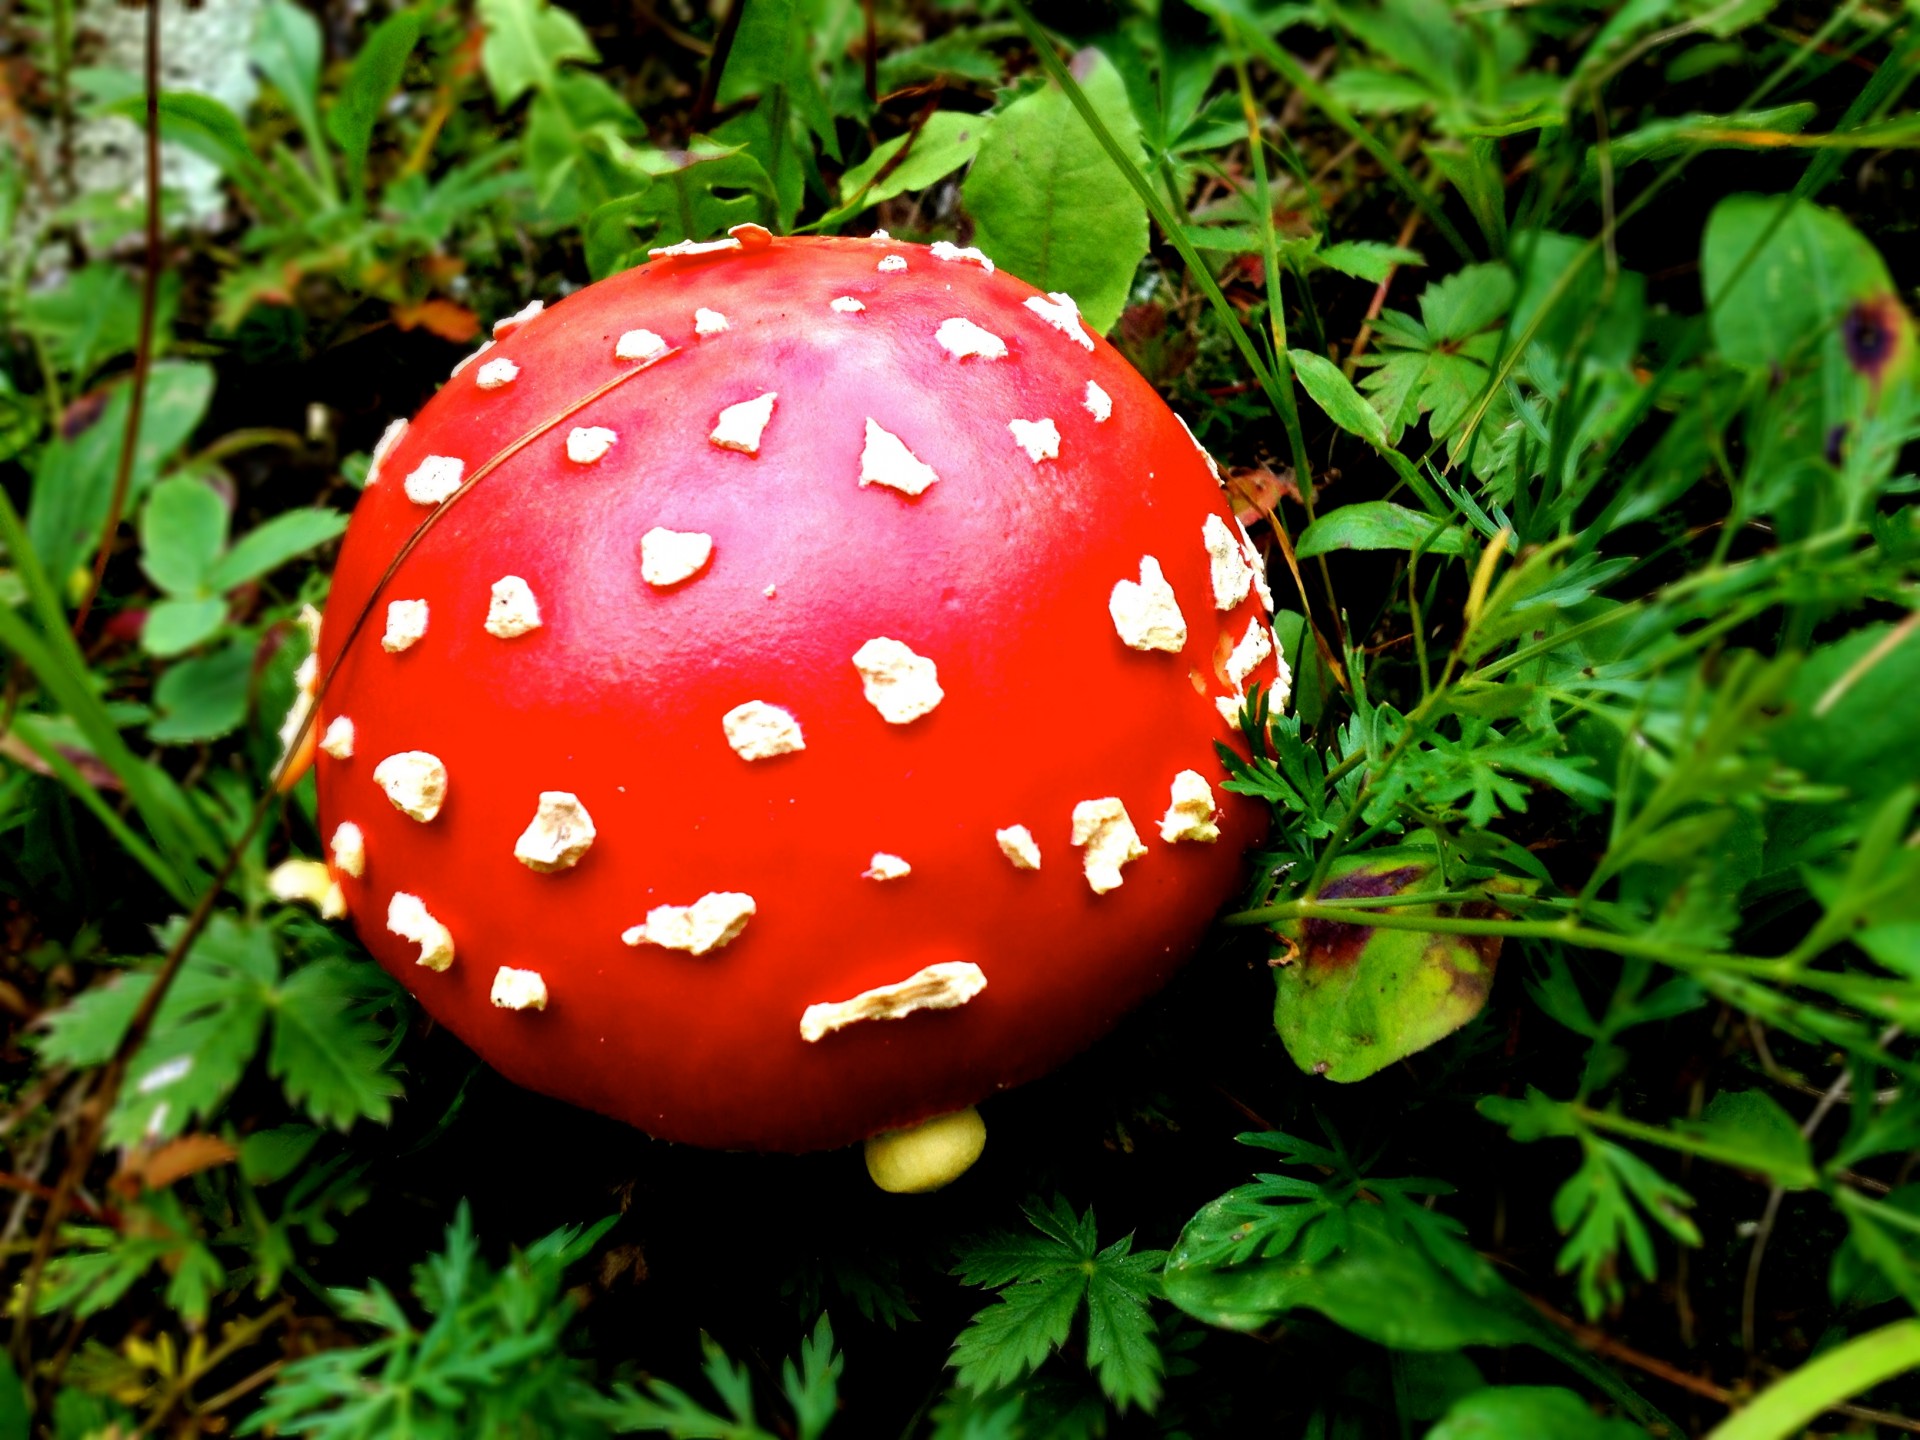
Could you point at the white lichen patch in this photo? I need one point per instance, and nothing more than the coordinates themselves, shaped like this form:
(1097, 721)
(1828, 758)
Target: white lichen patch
(741, 426)
(504, 328)
(1253, 647)
(1191, 812)
(886, 460)
(712, 921)
(639, 345)
(1213, 467)
(964, 340)
(388, 442)
(1099, 404)
(406, 625)
(307, 882)
(947, 250)
(901, 685)
(1227, 563)
(759, 731)
(891, 264)
(560, 832)
(1039, 438)
(1016, 842)
(886, 867)
(669, 556)
(415, 781)
(845, 305)
(435, 479)
(1105, 830)
(695, 247)
(511, 609)
(497, 374)
(349, 849)
(1258, 564)
(1059, 311)
(407, 917)
(461, 365)
(587, 444)
(338, 741)
(938, 987)
(1147, 614)
(518, 989)
(709, 322)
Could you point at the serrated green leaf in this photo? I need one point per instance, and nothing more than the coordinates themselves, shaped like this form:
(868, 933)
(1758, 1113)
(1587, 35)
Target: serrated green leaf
(1048, 204)
(1011, 1337)
(329, 1058)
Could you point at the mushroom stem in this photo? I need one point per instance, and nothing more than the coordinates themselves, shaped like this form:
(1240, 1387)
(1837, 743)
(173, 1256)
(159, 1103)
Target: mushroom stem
(928, 1156)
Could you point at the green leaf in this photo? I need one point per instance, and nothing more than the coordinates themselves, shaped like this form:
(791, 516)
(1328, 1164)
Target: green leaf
(944, 141)
(329, 1058)
(1803, 275)
(772, 59)
(73, 478)
(1366, 259)
(686, 196)
(1355, 998)
(1049, 205)
(527, 42)
(1784, 1409)
(286, 47)
(1748, 1129)
(1691, 134)
(88, 1029)
(1335, 394)
(205, 697)
(15, 1421)
(269, 546)
(1044, 1278)
(1528, 1412)
(1381, 525)
(205, 1034)
(183, 527)
(174, 627)
(90, 319)
(374, 77)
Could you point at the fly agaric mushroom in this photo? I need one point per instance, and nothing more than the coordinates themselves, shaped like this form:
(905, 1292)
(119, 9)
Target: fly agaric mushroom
(797, 719)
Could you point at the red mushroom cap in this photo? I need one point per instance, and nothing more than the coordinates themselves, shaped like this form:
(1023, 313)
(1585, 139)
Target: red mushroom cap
(693, 765)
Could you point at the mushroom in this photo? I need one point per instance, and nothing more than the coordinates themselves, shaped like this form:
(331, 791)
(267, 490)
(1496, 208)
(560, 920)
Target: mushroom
(797, 718)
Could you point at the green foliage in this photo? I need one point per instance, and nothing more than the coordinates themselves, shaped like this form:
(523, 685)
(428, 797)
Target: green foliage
(1597, 540)
(489, 1359)
(1045, 1280)
(1048, 202)
(810, 1386)
(327, 1048)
